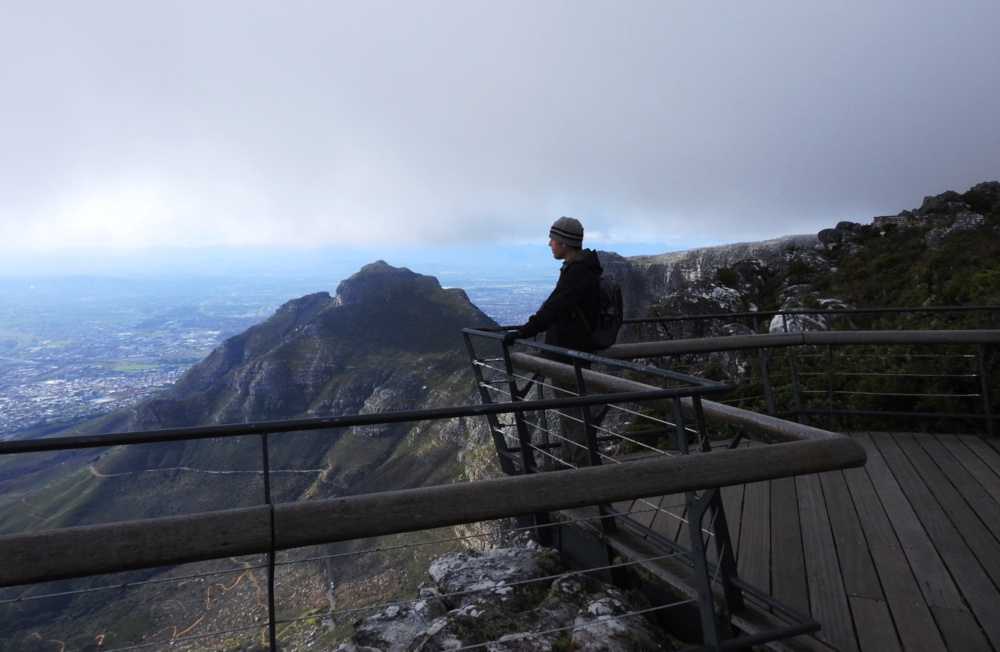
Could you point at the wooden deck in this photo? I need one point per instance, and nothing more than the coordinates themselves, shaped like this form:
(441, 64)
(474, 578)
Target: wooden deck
(901, 554)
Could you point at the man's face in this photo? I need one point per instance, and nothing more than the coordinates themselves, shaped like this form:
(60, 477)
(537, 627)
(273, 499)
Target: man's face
(559, 250)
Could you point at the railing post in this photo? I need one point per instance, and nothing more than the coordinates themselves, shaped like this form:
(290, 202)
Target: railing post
(985, 384)
(794, 376)
(272, 629)
(714, 630)
(590, 424)
(829, 386)
(765, 374)
(493, 420)
(529, 463)
(542, 420)
(588, 420)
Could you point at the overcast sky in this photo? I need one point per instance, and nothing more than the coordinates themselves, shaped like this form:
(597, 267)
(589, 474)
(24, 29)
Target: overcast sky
(213, 122)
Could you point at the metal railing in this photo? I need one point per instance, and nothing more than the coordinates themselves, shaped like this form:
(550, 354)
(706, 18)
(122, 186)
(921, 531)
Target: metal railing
(531, 445)
(86, 551)
(647, 429)
(848, 369)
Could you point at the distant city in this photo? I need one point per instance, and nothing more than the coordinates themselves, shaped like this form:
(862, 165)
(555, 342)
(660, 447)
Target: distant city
(76, 348)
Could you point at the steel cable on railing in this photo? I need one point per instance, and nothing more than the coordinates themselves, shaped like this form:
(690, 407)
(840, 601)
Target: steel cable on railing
(512, 532)
(129, 585)
(844, 392)
(863, 374)
(333, 614)
(619, 408)
(605, 457)
(659, 509)
(132, 585)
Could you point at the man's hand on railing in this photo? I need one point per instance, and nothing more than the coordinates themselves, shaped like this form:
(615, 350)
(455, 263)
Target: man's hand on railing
(509, 338)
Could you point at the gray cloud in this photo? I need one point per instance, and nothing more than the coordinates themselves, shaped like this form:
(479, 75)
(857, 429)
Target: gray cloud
(230, 122)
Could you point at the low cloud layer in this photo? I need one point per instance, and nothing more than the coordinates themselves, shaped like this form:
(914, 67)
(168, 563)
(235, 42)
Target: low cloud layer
(321, 123)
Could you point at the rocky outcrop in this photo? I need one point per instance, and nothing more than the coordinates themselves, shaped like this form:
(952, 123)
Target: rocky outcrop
(939, 252)
(645, 279)
(793, 272)
(843, 236)
(517, 598)
(962, 222)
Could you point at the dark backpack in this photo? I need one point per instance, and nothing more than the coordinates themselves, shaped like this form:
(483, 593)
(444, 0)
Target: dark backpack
(609, 315)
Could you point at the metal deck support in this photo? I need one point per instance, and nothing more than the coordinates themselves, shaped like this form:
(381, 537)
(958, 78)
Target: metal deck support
(716, 614)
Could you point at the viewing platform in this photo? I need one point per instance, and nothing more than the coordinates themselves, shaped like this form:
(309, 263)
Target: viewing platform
(745, 514)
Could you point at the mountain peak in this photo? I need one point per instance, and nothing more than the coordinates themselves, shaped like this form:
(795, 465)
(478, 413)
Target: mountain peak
(320, 356)
(379, 281)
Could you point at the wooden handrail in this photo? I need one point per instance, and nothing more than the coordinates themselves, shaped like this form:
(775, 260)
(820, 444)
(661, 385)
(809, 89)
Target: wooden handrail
(33, 557)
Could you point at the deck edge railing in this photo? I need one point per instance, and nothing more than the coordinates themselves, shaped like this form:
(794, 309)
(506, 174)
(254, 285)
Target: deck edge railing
(34, 557)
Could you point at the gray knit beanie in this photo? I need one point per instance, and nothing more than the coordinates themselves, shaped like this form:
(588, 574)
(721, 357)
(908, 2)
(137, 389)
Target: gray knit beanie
(568, 231)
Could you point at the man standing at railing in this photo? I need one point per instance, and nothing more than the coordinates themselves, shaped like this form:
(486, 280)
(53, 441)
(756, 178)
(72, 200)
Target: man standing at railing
(564, 317)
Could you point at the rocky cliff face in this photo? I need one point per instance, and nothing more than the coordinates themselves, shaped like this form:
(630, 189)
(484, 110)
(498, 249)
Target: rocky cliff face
(943, 253)
(957, 230)
(647, 279)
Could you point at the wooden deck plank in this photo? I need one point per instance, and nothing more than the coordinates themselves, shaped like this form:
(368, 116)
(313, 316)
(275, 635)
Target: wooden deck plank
(891, 593)
(642, 514)
(911, 615)
(788, 566)
(968, 575)
(754, 552)
(960, 630)
(979, 458)
(886, 505)
(683, 534)
(894, 563)
(827, 596)
(877, 496)
(874, 625)
(968, 485)
(953, 515)
(732, 503)
(990, 455)
(662, 514)
(856, 565)
(986, 511)
(670, 517)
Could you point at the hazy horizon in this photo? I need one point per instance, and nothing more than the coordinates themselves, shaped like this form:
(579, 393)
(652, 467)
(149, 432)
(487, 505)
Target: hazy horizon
(317, 261)
(294, 261)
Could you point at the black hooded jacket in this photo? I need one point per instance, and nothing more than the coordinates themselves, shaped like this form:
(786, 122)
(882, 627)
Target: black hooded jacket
(573, 306)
